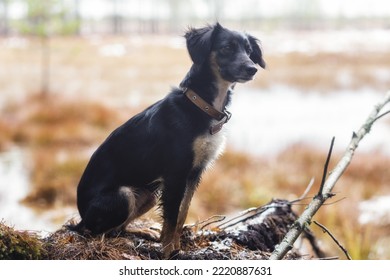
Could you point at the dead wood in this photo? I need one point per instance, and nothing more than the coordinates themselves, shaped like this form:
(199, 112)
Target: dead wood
(251, 235)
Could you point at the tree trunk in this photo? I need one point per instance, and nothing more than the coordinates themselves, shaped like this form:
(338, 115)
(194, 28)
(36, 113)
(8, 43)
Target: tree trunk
(4, 26)
(45, 66)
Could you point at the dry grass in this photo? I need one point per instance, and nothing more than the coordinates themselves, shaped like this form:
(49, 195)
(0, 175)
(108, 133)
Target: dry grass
(54, 179)
(325, 72)
(79, 69)
(59, 136)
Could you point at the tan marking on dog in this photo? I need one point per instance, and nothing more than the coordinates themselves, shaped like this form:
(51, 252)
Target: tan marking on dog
(207, 148)
(140, 201)
(222, 85)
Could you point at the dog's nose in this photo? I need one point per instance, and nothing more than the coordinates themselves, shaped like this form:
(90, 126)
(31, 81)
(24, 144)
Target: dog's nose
(251, 70)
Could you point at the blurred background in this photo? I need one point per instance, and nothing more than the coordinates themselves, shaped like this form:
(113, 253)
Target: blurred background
(73, 70)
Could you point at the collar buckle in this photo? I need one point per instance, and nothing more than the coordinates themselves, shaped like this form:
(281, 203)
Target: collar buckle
(221, 117)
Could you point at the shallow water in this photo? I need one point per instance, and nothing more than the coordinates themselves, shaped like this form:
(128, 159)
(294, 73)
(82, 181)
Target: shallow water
(14, 186)
(267, 122)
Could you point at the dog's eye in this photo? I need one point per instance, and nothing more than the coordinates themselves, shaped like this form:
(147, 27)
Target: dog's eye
(226, 49)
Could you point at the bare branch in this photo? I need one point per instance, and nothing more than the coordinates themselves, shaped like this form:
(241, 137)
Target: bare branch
(334, 239)
(305, 219)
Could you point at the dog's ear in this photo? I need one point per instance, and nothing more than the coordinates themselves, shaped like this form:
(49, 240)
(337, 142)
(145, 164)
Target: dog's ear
(199, 42)
(256, 55)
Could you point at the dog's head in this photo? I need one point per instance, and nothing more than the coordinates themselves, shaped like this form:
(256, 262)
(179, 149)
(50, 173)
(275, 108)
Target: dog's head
(232, 54)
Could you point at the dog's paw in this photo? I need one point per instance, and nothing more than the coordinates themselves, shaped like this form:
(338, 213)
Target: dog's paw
(151, 234)
(173, 255)
(170, 253)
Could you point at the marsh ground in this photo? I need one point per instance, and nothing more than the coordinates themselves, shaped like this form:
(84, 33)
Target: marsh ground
(315, 87)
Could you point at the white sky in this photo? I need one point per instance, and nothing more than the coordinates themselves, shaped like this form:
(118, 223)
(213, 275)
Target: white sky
(353, 8)
(232, 8)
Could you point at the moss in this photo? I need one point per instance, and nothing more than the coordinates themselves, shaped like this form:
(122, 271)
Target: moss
(19, 245)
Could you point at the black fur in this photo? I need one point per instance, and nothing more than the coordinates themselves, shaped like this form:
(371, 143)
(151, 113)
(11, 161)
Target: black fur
(152, 157)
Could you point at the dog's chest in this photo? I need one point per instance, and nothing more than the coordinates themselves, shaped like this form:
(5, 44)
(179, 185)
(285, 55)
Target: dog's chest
(207, 148)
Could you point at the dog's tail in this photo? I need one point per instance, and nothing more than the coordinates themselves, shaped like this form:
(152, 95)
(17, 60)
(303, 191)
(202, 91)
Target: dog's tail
(80, 227)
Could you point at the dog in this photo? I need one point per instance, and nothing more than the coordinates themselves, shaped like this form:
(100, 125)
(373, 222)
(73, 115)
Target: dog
(159, 155)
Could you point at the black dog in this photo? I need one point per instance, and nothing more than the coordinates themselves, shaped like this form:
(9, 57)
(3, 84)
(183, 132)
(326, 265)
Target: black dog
(160, 154)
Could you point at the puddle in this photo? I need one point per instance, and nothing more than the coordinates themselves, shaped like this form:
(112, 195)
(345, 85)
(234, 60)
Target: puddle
(267, 122)
(14, 186)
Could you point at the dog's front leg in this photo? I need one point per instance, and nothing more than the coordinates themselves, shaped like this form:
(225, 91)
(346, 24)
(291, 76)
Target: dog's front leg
(171, 200)
(167, 234)
(176, 202)
(185, 205)
(192, 184)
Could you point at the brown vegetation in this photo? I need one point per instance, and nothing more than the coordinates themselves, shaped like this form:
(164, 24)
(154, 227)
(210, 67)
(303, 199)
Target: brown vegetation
(114, 68)
(327, 71)
(59, 135)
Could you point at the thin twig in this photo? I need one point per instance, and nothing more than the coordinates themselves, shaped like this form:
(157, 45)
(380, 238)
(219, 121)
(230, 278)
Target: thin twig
(308, 188)
(305, 219)
(334, 202)
(328, 258)
(295, 201)
(313, 242)
(382, 115)
(324, 175)
(219, 218)
(241, 214)
(206, 222)
(254, 211)
(334, 239)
